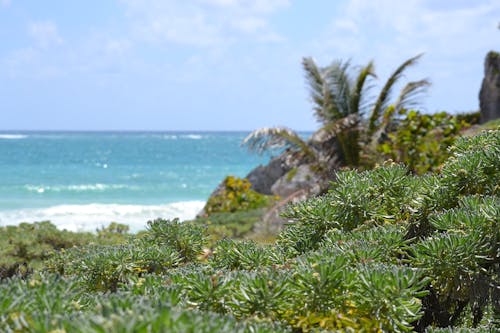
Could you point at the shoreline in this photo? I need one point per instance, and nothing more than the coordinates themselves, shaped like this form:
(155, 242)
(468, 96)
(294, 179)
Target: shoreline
(90, 217)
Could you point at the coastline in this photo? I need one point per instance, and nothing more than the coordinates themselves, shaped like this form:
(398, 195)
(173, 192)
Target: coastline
(90, 217)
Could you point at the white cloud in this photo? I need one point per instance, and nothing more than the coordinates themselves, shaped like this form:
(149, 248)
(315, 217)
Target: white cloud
(450, 33)
(249, 6)
(203, 23)
(45, 34)
(416, 25)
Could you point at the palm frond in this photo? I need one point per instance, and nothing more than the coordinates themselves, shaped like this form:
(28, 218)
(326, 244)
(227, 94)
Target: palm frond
(264, 139)
(360, 88)
(333, 128)
(411, 93)
(385, 94)
(320, 93)
(339, 84)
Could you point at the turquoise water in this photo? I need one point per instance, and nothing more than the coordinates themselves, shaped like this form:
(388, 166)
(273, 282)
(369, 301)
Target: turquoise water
(84, 180)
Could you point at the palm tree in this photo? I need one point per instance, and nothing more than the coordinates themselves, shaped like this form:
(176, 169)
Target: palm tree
(340, 97)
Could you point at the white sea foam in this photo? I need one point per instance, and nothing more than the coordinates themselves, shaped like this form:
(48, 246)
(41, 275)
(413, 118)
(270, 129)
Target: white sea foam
(93, 216)
(193, 136)
(77, 188)
(13, 136)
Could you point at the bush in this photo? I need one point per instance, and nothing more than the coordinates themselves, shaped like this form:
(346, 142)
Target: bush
(420, 141)
(24, 247)
(236, 195)
(235, 225)
(383, 251)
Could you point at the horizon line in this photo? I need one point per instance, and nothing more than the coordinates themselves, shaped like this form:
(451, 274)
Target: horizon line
(134, 130)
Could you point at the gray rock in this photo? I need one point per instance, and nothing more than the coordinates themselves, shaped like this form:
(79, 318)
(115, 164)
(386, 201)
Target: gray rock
(264, 176)
(489, 96)
(299, 178)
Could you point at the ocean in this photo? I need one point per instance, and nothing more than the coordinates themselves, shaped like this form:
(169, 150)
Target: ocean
(85, 180)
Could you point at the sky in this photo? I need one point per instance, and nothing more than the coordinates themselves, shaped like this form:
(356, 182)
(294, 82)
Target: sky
(224, 64)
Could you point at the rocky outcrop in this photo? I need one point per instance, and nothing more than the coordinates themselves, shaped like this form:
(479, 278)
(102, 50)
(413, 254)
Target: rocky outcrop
(302, 177)
(263, 177)
(293, 176)
(489, 96)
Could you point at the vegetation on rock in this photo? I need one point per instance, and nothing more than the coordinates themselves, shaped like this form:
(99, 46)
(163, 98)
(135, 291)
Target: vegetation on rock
(236, 195)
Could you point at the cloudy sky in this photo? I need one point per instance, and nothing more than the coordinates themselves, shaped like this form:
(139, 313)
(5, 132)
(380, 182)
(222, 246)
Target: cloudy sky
(223, 64)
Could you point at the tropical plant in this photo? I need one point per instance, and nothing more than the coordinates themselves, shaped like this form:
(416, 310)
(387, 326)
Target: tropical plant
(340, 97)
(420, 141)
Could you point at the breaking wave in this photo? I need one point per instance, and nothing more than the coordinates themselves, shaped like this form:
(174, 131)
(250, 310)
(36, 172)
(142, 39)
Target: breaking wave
(93, 216)
(13, 136)
(77, 188)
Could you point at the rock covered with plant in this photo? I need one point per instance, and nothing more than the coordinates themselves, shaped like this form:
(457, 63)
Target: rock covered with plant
(358, 129)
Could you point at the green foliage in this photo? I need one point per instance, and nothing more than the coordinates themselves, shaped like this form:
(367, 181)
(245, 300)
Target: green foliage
(383, 251)
(259, 294)
(234, 225)
(165, 245)
(186, 238)
(247, 255)
(236, 195)
(384, 195)
(473, 166)
(48, 303)
(420, 141)
(24, 247)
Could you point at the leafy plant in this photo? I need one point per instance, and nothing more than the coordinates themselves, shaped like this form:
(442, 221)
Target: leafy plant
(420, 141)
(383, 251)
(236, 195)
(340, 103)
(186, 238)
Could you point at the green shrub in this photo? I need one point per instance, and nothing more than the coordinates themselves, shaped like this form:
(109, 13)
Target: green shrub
(383, 251)
(420, 141)
(247, 255)
(186, 238)
(234, 225)
(236, 195)
(24, 247)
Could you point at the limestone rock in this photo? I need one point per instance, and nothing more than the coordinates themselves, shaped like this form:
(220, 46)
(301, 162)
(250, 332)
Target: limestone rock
(489, 96)
(263, 177)
(299, 178)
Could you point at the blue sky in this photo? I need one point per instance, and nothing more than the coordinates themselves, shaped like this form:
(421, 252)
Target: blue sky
(223, 64)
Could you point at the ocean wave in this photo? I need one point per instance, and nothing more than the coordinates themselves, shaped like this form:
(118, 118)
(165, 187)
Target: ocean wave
(13, 136)
(77, 188)
(93, 216)
(193, 136)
